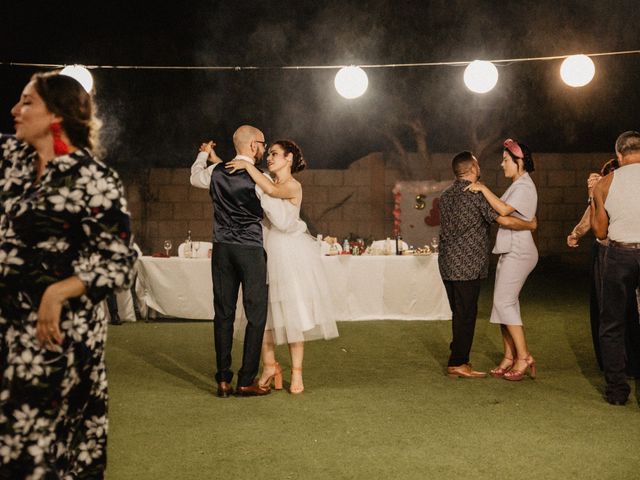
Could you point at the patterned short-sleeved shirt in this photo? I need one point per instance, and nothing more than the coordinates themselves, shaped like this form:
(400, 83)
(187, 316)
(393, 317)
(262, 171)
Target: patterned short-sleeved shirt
(466, 218)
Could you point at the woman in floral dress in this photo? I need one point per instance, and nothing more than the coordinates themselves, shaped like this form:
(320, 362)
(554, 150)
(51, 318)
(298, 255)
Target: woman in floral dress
(65, 243)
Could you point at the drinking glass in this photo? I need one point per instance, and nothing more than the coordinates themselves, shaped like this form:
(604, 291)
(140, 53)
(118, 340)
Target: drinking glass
(167, 246)
(196, 247)
(434, 244)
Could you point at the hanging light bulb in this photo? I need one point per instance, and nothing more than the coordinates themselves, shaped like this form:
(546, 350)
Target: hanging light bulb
(577, 70)
(80, 74)
(351, 82)
(480, 76)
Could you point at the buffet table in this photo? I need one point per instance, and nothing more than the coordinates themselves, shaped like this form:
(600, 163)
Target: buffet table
(362, 287)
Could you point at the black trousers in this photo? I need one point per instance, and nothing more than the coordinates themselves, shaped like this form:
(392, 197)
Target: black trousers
(233, 265)
(620, 278)
(595, 297)
(463, 300)
(632, 336)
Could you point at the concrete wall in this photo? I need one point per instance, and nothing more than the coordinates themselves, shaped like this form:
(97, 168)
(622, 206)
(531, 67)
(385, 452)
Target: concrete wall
(359, 201)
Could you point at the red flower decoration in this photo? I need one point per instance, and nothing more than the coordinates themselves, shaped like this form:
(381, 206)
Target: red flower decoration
(433, 219)
(397, 213)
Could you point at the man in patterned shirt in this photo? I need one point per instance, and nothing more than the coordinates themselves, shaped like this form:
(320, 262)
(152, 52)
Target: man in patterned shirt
(464, 256)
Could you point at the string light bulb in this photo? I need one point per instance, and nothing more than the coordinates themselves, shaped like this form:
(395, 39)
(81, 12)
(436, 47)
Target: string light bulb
(80, 74)
(577, 70)
(351, 82)
(480, 76)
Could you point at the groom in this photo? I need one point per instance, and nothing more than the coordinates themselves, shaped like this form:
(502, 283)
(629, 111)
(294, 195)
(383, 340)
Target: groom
(238, 258)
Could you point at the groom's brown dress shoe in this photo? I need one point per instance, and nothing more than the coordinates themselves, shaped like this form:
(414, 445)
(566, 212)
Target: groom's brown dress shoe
(252, 390)
(224, 390)
(465, 371)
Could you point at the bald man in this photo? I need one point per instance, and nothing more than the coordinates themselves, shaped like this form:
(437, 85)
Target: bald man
(238, 258)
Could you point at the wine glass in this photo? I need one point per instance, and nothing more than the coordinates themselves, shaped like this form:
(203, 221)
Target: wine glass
(167, 246)
(196, 247)
(434, 244)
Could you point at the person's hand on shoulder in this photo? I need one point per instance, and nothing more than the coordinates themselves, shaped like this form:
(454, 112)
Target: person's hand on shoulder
(237, 164)
(474, 187)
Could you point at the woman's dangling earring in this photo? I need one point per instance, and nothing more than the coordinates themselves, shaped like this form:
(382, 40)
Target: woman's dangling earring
(59, 145)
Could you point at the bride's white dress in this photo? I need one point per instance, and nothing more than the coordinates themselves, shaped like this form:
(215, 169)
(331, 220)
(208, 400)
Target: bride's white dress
(300, 307)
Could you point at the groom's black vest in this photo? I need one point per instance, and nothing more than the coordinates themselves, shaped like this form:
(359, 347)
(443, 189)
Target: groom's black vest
(237, 213)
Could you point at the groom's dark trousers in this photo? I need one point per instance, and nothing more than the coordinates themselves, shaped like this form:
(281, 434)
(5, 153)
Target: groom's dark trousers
(232, 265)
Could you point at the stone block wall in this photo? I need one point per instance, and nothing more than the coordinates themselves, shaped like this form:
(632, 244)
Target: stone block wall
(358, 200)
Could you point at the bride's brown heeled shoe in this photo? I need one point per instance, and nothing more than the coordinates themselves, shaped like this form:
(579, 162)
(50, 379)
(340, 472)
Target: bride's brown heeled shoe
(296, 390)
(276, 377)
(499, 371)
(517, 375)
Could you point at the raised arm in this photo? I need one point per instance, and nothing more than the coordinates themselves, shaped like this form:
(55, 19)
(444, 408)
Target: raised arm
(201, 170)
(581, 229)
(513, 223)
(208, 147)
(498, 205)
(598, 215)
(286, 190)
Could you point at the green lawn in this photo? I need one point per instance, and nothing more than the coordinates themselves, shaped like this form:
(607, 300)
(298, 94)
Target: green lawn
(377, 404)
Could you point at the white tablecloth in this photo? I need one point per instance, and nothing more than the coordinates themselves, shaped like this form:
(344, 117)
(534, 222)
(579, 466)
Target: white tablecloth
(387, 287)
(363, 288)
(177, 287)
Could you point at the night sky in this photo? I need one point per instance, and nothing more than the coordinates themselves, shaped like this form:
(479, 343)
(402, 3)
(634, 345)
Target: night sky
(158, 118)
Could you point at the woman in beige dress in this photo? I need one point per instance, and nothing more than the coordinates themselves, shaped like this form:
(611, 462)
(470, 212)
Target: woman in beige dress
(518, 257)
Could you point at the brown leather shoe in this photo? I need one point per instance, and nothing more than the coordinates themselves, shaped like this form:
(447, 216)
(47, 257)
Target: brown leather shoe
(465, 371)
(224, 390)
(253, 390)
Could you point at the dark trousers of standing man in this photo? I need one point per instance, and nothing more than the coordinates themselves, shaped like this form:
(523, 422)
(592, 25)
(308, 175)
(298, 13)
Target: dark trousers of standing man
(620, 278)
(233, 265)
(463, 300)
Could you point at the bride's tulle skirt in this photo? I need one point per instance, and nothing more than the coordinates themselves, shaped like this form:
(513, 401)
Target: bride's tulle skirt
(300, 307)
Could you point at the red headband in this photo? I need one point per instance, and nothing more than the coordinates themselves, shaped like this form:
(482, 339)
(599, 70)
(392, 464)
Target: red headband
(513, 147)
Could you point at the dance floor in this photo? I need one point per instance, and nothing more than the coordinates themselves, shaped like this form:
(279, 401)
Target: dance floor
(377, 404)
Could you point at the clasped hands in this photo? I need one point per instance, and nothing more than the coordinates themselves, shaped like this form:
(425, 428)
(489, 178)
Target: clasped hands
(208, 148)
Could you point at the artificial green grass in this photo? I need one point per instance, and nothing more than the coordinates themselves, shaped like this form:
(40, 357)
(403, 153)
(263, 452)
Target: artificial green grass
(377, 404)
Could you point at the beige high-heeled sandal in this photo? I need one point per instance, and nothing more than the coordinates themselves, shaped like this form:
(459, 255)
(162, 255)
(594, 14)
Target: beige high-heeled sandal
(276, 377)
(501, 371)
(300, 389)
(516, 375)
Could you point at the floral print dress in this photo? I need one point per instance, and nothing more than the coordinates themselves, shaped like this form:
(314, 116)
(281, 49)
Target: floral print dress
(53, 402)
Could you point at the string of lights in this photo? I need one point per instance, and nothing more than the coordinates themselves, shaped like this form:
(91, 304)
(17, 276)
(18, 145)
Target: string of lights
(313, 67)
(351, 81)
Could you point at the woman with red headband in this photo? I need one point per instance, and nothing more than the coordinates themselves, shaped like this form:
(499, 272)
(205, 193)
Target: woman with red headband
(518, 257)
(64, 246)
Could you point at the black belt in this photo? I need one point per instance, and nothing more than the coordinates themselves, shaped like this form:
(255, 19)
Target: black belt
(634, 246)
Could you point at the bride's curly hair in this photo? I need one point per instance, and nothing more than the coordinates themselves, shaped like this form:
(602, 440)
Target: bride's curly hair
(299, 163)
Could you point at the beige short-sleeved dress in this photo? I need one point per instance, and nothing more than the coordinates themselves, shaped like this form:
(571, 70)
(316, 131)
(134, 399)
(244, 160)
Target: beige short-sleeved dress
(518, 253)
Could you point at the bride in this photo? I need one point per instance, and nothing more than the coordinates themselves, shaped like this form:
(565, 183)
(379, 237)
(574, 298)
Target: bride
(299, 297)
